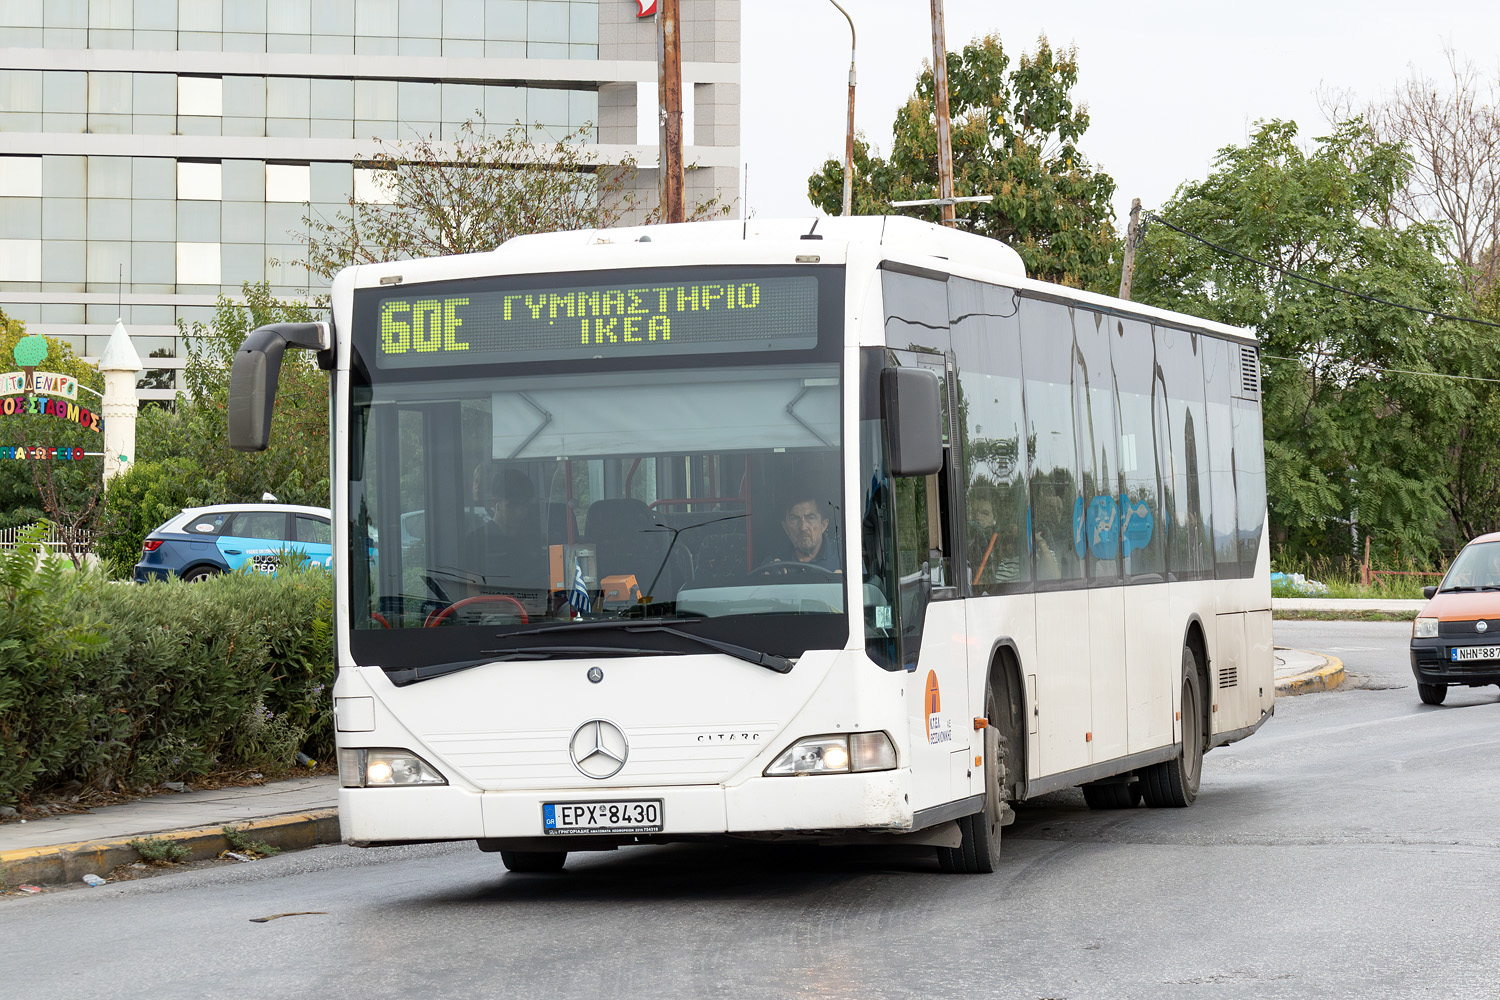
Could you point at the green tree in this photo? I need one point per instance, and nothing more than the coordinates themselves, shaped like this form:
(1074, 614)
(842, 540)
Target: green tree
(472, 193)
(1015, 134)
(1356, 427)
(183, 453)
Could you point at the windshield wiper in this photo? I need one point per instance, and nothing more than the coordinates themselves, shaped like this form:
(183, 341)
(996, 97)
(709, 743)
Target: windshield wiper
(770, 661)
(411, 675)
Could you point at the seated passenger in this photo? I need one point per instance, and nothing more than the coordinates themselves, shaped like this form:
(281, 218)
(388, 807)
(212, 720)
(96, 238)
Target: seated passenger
(808, 538)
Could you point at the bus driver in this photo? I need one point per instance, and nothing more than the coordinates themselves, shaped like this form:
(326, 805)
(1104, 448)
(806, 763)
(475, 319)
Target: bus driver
(806, 530)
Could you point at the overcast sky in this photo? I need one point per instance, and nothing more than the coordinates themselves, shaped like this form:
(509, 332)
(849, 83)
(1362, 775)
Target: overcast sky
(1167, 84)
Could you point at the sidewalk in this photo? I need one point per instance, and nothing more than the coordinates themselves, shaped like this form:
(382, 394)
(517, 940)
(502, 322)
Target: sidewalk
(1301, 672)
(294, 814)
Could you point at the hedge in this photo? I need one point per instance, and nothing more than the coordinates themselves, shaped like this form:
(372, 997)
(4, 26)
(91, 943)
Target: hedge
(118, 686)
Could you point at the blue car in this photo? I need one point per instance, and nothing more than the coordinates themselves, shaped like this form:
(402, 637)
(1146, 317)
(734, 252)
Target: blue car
(204, 541)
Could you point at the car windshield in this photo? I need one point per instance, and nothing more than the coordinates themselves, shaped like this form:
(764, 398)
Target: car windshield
(1477, 567)
(493, 511)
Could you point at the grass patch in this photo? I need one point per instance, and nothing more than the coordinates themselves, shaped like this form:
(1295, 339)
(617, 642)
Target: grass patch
(244, 845)
(159, 852)
(1344, 616)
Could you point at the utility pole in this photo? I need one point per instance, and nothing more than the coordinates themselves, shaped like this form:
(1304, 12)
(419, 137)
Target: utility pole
(669, 86)
(1132, 233)
(849, 135)
(940, 102)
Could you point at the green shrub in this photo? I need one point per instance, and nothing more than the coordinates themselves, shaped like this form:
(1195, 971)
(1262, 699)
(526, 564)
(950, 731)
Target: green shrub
(139, 500)
(160, 852)
(120, 686)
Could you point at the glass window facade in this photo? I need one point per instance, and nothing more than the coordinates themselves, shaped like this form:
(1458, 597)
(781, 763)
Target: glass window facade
(82, 212)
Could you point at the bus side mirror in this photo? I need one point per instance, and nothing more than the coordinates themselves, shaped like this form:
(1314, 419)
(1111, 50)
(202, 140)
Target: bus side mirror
(257, 368)
(913, 420)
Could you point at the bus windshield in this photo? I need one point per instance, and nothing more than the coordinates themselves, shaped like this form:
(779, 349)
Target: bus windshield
(494, 508)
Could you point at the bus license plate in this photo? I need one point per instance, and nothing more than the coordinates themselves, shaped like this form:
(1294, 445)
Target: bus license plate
(1461, 653)
(631, 816)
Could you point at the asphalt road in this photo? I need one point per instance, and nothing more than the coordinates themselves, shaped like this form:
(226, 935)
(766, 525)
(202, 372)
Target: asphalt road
(1349, 849)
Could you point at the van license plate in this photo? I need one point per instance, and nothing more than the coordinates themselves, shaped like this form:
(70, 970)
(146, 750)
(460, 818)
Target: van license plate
(1462, 653)
(629, 816)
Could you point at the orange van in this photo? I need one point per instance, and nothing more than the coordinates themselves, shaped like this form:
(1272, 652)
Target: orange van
(1456, 637)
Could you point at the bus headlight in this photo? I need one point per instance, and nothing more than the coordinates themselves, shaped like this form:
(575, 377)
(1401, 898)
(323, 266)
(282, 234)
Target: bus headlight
(362, 768)
(1425, 628)
(840, 754)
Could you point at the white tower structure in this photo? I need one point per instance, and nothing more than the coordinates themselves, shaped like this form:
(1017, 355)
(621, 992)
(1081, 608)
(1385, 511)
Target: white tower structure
(121, 366)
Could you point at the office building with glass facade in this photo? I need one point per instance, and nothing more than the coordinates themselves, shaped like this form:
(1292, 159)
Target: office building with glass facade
(157, 153)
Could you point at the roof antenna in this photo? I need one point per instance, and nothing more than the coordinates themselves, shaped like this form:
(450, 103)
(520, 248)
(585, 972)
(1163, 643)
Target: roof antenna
(809, 235)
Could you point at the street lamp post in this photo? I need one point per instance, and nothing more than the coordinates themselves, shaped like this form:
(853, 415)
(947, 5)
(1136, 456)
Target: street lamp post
(849, 135)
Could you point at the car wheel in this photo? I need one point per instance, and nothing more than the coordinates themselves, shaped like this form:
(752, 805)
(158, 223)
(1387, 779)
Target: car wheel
(199, 573)
(534, 861)
(1432, 694)
(1174, 783)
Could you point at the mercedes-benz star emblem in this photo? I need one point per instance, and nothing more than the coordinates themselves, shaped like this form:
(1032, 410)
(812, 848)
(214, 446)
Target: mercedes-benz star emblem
(1481, 626)
(595, 675)
(599, 749)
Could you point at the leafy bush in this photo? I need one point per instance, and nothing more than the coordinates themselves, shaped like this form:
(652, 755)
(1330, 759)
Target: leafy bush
(119, 686)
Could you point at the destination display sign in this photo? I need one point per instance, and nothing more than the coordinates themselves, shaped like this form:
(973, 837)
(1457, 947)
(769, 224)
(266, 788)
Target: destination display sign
(517, 324)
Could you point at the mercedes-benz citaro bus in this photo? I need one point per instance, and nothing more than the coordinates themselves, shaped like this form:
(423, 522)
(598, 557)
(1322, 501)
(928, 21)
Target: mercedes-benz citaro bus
(842, 531)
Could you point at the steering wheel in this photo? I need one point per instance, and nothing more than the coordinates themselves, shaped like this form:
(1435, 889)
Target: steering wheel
(437, 616)
(771, 568)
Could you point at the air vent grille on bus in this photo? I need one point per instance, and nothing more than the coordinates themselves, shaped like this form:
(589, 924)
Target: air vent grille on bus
(1249, 372)
(1229, 677)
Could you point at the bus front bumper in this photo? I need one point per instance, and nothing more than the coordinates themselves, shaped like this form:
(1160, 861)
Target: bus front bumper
(810, 805)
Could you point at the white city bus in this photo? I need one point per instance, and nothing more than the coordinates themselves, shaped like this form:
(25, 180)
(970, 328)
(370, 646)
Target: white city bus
(842, 531)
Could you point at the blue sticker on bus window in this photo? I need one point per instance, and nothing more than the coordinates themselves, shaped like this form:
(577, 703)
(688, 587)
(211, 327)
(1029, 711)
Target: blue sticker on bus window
(1104, 527)
(1136, 525)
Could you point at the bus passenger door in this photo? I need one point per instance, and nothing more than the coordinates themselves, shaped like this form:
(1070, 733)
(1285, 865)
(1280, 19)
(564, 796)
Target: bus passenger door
(934, 630)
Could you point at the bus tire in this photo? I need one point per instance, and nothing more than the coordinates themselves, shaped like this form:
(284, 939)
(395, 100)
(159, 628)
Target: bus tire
(534, 861)
(1432, 694)
(979, 851)
(1174, 783)
(1112, 795)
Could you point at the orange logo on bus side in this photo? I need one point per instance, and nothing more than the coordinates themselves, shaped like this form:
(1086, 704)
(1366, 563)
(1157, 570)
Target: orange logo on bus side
(934, 703)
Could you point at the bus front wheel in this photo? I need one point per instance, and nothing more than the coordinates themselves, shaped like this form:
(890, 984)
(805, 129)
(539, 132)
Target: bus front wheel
(1174, 783)
(534, 861)
(978, 852)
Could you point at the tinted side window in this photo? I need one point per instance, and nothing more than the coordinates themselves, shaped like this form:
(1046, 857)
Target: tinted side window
(987, 343)
(314, 529)
(1185, 477)
(1220, 380)
(1096, 512)
(1049, 354)
(259, 524)
(1249, 460)
(206, 525)
(1143, 446)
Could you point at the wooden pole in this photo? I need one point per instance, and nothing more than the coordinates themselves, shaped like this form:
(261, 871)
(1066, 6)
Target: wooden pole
(669, 86)
(1127, 274)
(940, 102)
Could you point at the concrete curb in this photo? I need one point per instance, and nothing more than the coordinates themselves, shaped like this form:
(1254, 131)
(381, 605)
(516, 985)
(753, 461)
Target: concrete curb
(1327, 677)
(70, 862)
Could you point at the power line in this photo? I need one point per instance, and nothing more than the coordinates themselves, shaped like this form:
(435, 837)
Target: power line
(1322, 284)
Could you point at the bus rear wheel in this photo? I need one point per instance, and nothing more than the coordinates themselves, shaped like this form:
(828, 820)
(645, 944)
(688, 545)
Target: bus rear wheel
(1174, 783)
(1112, 795)
(978, 852)
(534, 861)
